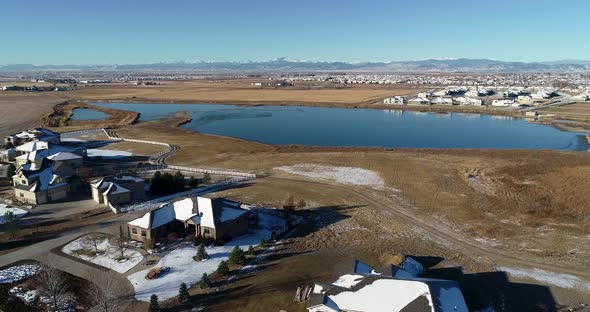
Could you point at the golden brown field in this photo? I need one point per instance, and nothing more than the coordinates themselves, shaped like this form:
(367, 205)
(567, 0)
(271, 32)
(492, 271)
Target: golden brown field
(238, 92)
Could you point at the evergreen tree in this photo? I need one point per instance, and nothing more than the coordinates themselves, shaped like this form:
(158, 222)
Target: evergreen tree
(206, 178)
(10, 220)
(223, 268)
(251, 251)
(205, 282)
(201, 253)
(262, 242)
(193, 183)
(183, 295)
(237, 256)
(154, 305)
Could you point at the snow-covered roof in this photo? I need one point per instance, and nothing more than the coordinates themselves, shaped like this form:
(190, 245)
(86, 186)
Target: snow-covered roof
(180, 210)
(115, 189)
(209, 213)
(371, 292)
(64, 156)
(32, 146)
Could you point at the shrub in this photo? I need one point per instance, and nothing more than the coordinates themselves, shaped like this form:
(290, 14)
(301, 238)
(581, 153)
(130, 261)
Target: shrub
(154, 305)
(223, 268)
(251, 251)
(205, 282)
(262, 242)
(198, 240)
(237, 256)
(201, 253)
(183, 295)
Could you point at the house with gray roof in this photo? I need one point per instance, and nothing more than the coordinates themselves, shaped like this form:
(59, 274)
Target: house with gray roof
(402, 291)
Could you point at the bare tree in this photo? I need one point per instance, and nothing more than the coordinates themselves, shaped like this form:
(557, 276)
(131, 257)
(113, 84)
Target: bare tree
(122, 243)
(94, 239)
(54, 284)
(104, 292)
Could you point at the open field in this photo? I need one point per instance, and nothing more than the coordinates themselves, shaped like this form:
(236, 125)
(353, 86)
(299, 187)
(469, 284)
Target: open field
(23, 110)
(577, 110)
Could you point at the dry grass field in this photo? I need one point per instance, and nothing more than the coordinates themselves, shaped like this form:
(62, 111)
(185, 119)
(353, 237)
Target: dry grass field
(23, 110)
(239, 92)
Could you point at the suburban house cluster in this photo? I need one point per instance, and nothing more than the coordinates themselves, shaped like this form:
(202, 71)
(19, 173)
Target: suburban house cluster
(400, 290)
(47, 171)
(219, 219)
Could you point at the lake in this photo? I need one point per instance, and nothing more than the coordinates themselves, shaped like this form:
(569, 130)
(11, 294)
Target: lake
(88, 114)
(318, 126)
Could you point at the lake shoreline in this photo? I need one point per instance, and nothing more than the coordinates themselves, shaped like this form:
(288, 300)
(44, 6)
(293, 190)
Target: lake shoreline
(372, 127)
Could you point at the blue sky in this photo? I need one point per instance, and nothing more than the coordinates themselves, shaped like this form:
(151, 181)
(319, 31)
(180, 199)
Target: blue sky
(132, 32)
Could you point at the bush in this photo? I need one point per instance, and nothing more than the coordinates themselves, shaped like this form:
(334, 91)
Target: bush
(223, 268)
(154, 305)
(201, 253)
(205, 282)
(237, 256)
(183, 295)
(251, 251)
(206, 178)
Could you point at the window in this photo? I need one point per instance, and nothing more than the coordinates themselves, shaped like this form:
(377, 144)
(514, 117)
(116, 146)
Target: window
(206, 231)
(143, 233)
(22, 195)
(134, 230)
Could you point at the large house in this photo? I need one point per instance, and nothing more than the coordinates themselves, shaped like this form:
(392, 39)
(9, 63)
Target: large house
(46, 171)
(118, 190)
(37, 134)
(218, 219)
(402, 290)
(43, 181)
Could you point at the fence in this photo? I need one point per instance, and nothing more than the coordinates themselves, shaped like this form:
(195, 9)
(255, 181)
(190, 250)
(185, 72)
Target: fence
(80, 132)
(154, 203)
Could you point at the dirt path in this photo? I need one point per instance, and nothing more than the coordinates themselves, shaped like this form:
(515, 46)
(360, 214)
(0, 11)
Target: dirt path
(446, 236)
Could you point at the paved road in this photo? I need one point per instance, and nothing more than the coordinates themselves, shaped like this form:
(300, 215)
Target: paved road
(41, 252)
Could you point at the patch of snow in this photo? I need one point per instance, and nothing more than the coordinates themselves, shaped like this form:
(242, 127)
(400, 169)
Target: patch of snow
(559, 280)
(348, 280)
(18, 213)
(184, 269)
(108, 257)
(107, 153)
(344, 175)
(18, 272)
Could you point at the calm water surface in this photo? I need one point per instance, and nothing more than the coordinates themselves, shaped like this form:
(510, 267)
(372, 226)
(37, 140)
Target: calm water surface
(319, 126)
(88, 114)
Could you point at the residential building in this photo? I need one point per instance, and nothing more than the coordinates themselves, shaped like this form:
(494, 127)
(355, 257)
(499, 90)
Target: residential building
(524, 99)
(419, 101)
(503, 103)
(441, 100)
(395, 100)
(218, 219)
(37, 134)
(42, 182)
(7, 155)
(118, 190)
(402, 290)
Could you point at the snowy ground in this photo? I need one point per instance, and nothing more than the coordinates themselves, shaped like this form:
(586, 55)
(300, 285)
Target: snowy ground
(109, 256)
(19, 213)
(108, 153)
(559, 280)
(18, 272)
(345, 175)
(184, 269)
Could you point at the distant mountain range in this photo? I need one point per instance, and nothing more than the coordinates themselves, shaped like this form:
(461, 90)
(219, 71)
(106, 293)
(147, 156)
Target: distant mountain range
(288, 65)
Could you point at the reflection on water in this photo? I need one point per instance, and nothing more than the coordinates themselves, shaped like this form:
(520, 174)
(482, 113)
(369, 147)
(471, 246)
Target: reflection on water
(322, 126)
